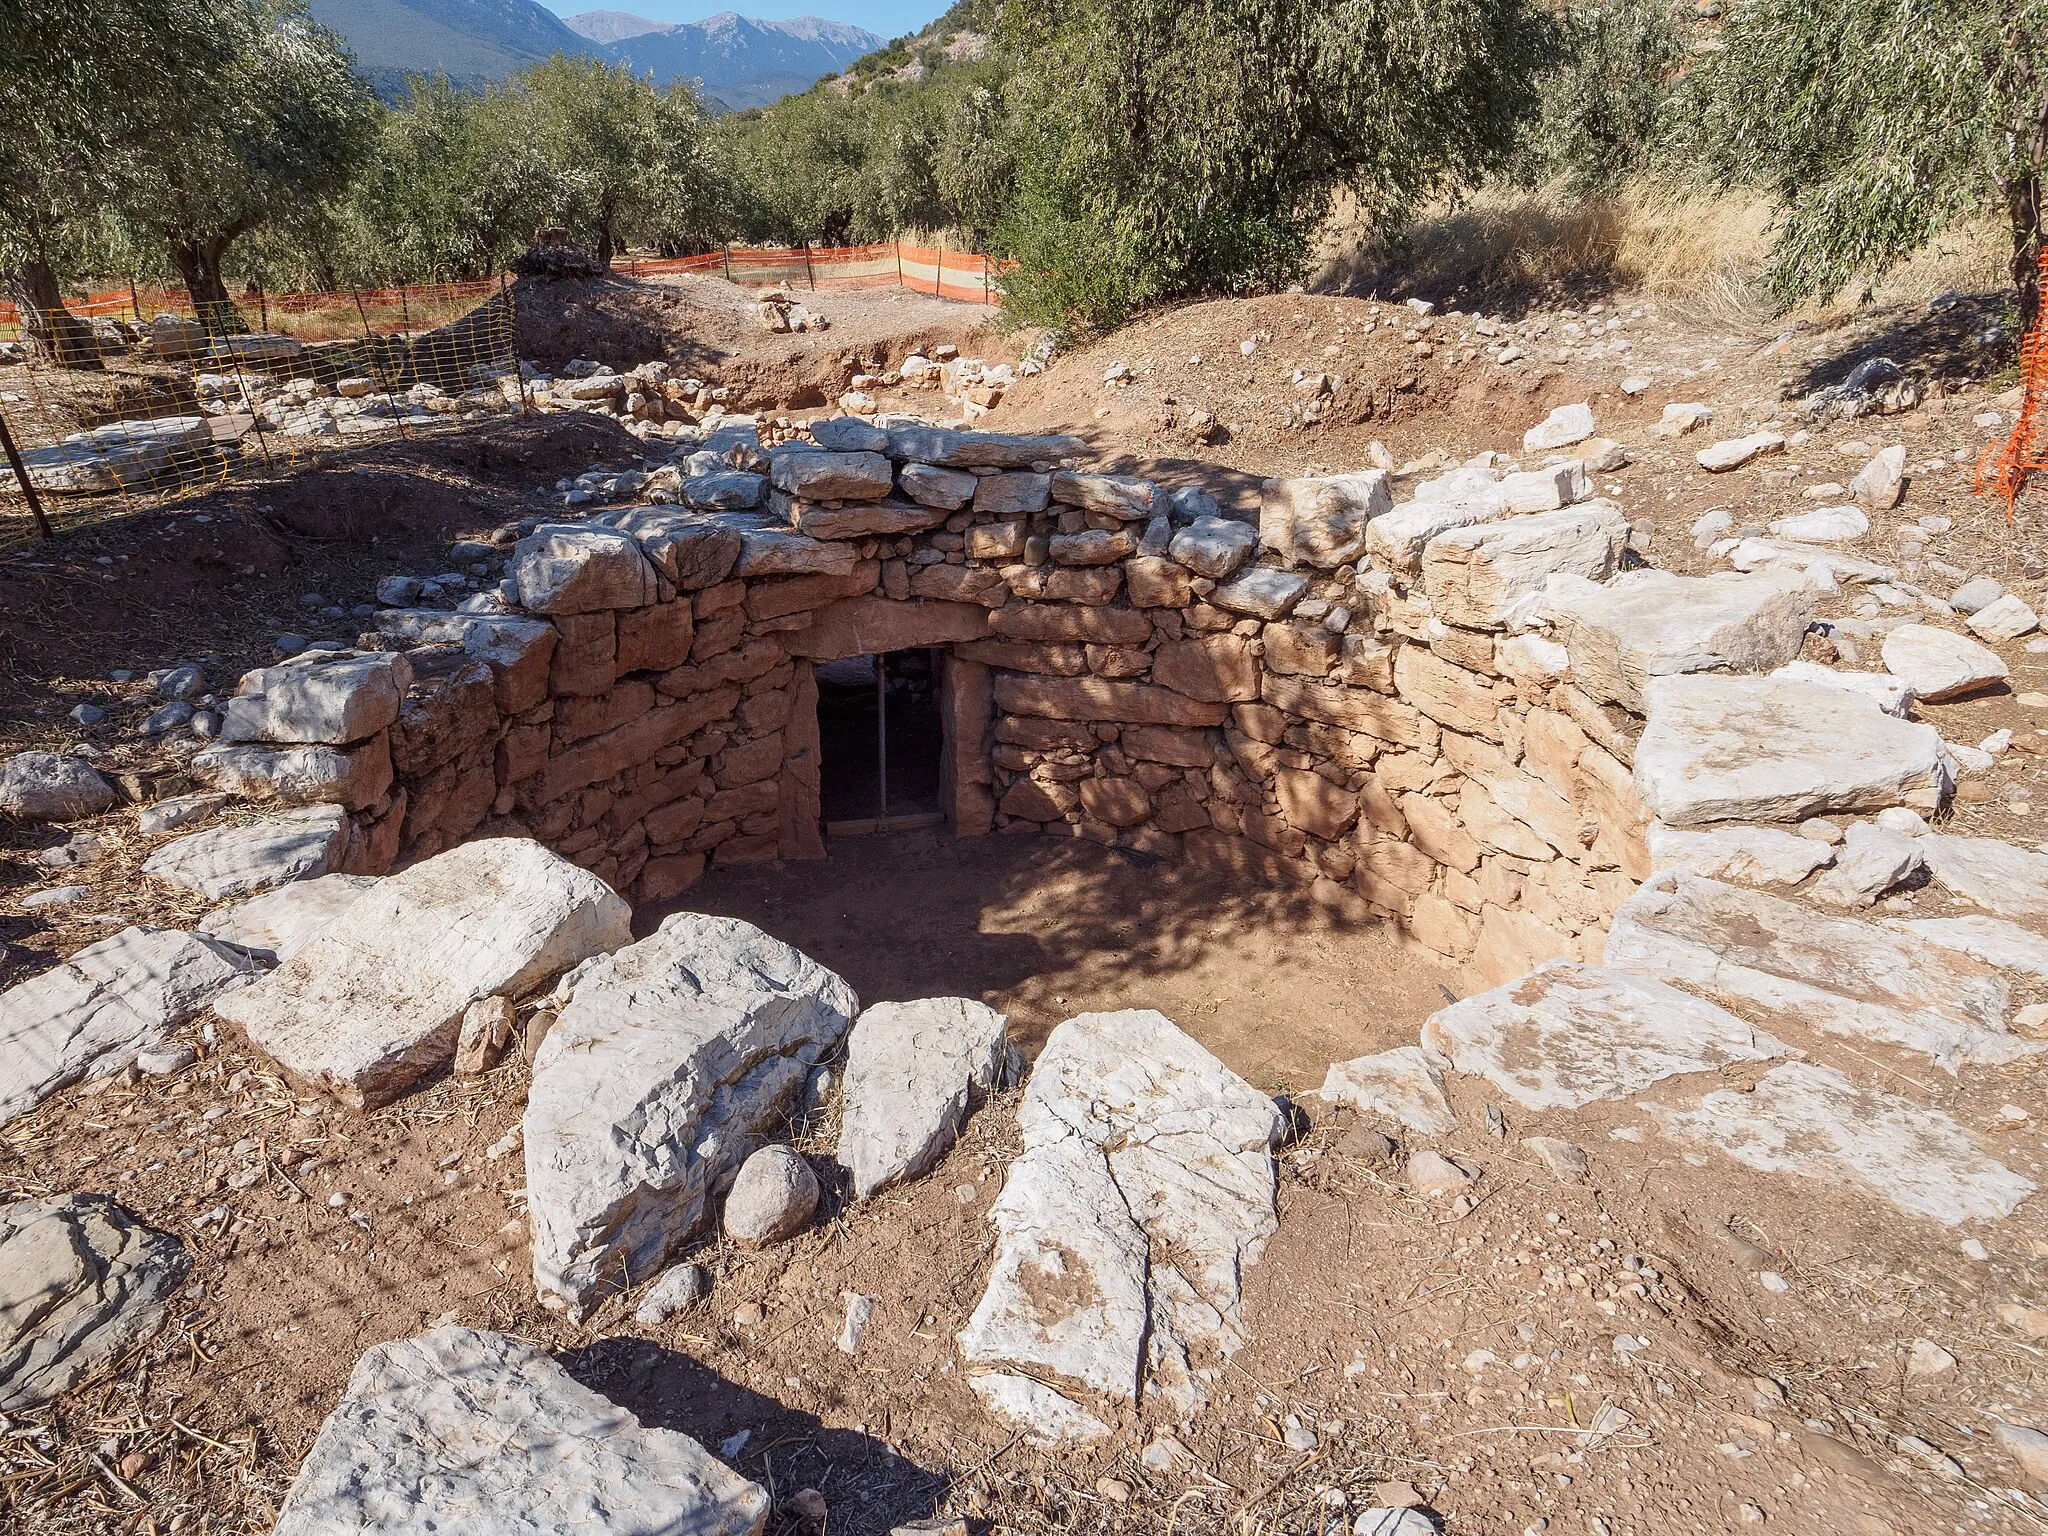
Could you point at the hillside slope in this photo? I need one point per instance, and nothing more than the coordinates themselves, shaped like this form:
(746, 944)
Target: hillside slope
(471, 41)
(742, 61)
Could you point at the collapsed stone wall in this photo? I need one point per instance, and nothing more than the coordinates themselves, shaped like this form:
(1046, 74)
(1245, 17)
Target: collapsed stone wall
(1369, 700)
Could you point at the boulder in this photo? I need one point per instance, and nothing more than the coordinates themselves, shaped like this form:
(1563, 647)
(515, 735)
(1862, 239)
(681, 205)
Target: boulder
(1778, 750)
(913, 1070)
(1403, 1084)
(832, 476)
(1475, 575)
(672, 1059)
(1939, 664)
(1567, 1035)
(374, 1002)
(848, 434)
(278, 924)
(580, 568)
(1565, 425)
(771, 1198)
(222, 863)
(1144, 1190)
(81, 1282)
(333, 702)
(48, 786)
(1840, 975)
(90, 1016)
(1811, 1121)
(2013, 882)
(1651, 623)
(469, 1433)
(1322, 521)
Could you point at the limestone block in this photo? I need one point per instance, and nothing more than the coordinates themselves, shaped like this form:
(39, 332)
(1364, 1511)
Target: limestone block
(1119, 496)
(1115, 802)
(1011, 495)
(1733, 453)
(576, 568)
(353, 777)
(930, 486)
(1313, 804)
(1093, 546)
(866, 520)
(722, 491)
(1322, 521)
(1474, 575)
(766, 551)
(1743, 855)
(913, 1071)
(1094, 698)
(1261, 593)
(518, 651)
(692, 552)
(48, 786)
(278, 924)
(1545, 490)
(1446, 693)
(1939, 664)
(1565, 425)
(870, 625)
(1214, 668)
(1996, 942)
(1881, 482)
(2013, 882)
(1404, 1084)
(1067, 622)
(225, 862)
(1395, 542)
(826, 476)
(1651, 623)
(848, 434)
(977, 450)
(346, 699)
(1155, 581)
(1214, 547)
(1893, 695)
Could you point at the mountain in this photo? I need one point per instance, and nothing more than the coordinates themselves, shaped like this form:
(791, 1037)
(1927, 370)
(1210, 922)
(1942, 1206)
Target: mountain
(740, 61)
(735, 61)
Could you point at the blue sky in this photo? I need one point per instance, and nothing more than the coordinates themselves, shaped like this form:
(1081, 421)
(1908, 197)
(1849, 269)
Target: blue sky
(890, 18)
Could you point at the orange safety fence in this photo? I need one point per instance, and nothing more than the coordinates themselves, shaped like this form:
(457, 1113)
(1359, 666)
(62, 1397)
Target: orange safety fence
(2004, 468)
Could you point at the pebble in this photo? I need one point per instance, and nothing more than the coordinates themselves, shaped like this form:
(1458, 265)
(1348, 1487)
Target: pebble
(771, 1198)
(680, 1286)
(859, 1309)
(748, 1315)
(1973, 1249)
(55, 896)
(87, 714)
(1928, 1359)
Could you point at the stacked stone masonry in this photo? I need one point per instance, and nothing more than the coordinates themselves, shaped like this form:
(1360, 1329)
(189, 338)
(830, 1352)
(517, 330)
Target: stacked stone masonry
(1375, 701)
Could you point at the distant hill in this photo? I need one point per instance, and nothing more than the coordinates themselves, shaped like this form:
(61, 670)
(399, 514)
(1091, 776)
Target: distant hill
(738, 62)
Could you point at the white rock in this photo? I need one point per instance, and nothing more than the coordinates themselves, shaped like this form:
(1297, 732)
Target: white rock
(90, 1016)
(771, 1198)
(1823, 525)
(2013, 882)
(1475, 575)
(1144, 1191)
(859, 1309)
(2006, 619)
(1546, 490)
(1567, 1035)
(1990, 939)
(278, 924)
(576, 568)
(1565, 425)
(1872, 861)
(1652, 623)
(48, 786)
(1778, 750)
(1392, 1522)
(1733, 453)
(1565, 1159)
(1395, 542)
(1744, 855)
(1823, 566)
(1898, 819)
(1214, 547)
(1680, 418)
(178, 811)
(1322, 521)
(679, 1286)
(327, 698)
(469, 1433)
(1977, 592)
(222, 863)
(1811, 1121)
(1531, 659)
(1882, 481)
(374, 1002)
(671, 1061)
(1402, 1084)
(1431, 1174)
(1893, 695)
(2028, 1447)
(1940, 664)
(912, 1071)
(1840, 975)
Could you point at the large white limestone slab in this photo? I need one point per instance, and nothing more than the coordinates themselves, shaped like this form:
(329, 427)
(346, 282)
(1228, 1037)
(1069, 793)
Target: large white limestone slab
(375, 1001)
(1811, 1121)
(467, 1433)
(2013, 882)
(672, 1060)
(1402, 1084)
(1745, 855)
(1990, 939)
(240, 859)
(278, 924)
(1475, 575)
(1893, 695)
(90, 1016)
(1775, 750)
(1841, 975)
(1144, 1190)
(912, 1071)
(1940, 664)
(1567, 1035)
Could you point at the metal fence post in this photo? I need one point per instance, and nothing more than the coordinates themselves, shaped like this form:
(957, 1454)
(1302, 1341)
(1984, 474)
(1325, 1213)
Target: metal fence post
(809, 270)
(35, 504)
(726, 246)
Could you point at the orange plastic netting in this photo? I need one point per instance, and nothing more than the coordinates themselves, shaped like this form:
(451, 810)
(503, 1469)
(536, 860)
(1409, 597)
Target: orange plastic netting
(2005, 466)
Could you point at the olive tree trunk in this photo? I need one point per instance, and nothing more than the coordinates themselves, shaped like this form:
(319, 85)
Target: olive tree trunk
(53, 333)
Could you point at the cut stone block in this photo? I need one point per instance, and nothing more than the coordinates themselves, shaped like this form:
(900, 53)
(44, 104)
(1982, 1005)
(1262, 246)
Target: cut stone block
(1775, 750)
(347, 699)
(1652, 623)
(1322, 521)
(92, 1015)
(1475, 575)
(1743, 855)
(1893, 695)
(1120, 496)
(768, 551)
(374, 1002)
(979, 450)
(1214, 547)
(1546, 490)
(278, 924)
(81, 1282)
(353, 777)
(912, 1072)
(1396, 541)
(672, 1061)
(1144, 1191)
(1992, 940)
(222, 863)
(1840, 975)
(1567, 1035)
(465, 1433)
(833, 476)
(1939, 664)
(578, 568)
(2013, 882)
(1812, 1122)
(1402, 1084)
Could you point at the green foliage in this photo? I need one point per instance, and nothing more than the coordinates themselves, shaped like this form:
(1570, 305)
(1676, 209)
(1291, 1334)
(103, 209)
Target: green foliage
(1602, 94)
(1875, 125)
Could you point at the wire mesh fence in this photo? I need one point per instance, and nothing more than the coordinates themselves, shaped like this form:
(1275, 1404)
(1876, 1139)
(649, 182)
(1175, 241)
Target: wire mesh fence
(167, 403)
(962, 276)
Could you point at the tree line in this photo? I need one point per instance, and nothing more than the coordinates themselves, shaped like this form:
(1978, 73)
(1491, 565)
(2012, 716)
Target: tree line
(1121, 152)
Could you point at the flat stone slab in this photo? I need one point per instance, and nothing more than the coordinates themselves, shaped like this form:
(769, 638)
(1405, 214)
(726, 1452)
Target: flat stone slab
(81, 1280)
(1789, 554)
(2013, 882)
(1990, 939)
(1939, 664)
(467, 1433)
(1744, 855)
(1567, 1035)
(1403, 1084)
(1775, 750)
(1144, 1191)
(1652, 623)
(222, 863)
(672, 1060)
(375, 1001)
(912, 1072)
(92, 1015)
(1734, 452)
(278, 924)
(1811, 1121)
(324, 699)
(1840, 975)
(1893, 695)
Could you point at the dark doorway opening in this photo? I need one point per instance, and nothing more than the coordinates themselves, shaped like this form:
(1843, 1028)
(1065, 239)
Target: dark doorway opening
(881, 738)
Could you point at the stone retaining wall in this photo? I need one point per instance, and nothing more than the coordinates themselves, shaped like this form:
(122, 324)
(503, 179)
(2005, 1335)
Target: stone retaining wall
(1370, 700)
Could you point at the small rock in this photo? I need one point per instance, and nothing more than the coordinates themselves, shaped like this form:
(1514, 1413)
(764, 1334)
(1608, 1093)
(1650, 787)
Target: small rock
(187, 682)
(165, 1060)
(46, 786)
(1396, 1495)
(488, 1025)
(680, 1286)
(168, 717)
(1433, 1174)
(55, 896)
(772, 1197)
(1978, 592)
(2029, 1322)
(807, 1504)
(2028, 1447)
(178, 811)
(1161, 1455)
(1882, 481)
(87, 715)
(859, 1309)
(79, 848)
(1939, 664)
(1565, 425)
(1564, 1159)
(1927, 1359)
(1393, 1522)
(1367, 1145)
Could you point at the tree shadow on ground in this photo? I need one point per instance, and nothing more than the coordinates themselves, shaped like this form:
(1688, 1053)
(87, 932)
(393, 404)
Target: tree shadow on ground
(1957, 339)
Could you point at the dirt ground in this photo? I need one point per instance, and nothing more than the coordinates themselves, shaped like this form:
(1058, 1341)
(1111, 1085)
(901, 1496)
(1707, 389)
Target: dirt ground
(1470, 1357)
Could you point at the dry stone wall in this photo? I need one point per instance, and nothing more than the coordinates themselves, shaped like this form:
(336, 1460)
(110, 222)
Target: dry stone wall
(1366, 699)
